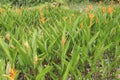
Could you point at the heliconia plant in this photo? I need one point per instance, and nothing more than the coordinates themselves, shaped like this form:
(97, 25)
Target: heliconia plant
(53, 43)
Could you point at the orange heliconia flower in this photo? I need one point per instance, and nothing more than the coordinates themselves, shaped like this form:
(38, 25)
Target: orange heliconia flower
(110, 10)
(91, 7)
(12, 74)
(103, 9)
(86, 9)
(63, 41)
(91, 16)
(42, 20)
(1, 10)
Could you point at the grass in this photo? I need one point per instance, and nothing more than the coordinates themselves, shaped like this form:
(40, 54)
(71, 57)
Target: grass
(52, 43)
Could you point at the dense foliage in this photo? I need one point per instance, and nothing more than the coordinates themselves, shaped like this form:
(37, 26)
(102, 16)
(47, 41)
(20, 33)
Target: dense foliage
(54, 43)
(34, 2)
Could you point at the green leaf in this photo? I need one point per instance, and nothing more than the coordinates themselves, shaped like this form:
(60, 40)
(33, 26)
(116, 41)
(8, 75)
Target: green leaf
(5, 49)
(64, 51)
(75, 56)
(65, 76)
(93, 38)
(34, 41)
(43, 72)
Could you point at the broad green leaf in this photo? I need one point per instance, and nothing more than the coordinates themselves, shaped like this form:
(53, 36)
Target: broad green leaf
(43, 72)
(65, 76)
(6, 50)
(93, 38)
